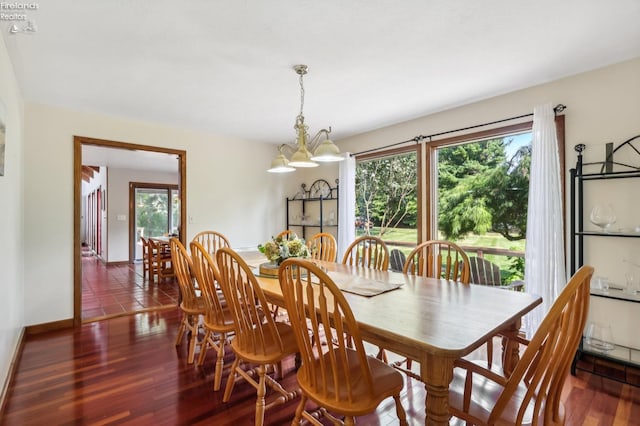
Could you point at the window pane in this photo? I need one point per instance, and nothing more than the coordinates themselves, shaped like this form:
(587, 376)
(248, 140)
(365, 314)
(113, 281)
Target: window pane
(386, 199)
(175, 212)
(482, 196)
(152, 212)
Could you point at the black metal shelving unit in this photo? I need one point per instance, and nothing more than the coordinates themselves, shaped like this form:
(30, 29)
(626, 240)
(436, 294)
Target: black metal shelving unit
(320, 192)
(621, 363)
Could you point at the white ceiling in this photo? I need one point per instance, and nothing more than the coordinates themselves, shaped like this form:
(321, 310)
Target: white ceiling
(226, 66)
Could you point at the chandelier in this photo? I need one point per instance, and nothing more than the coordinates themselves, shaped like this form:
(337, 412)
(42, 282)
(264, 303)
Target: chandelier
(305, 152)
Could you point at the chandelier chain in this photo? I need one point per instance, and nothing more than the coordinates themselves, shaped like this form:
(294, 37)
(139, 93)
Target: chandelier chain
(301, 96)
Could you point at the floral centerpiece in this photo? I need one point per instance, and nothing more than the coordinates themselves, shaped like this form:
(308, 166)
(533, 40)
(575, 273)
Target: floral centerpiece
(278, 249)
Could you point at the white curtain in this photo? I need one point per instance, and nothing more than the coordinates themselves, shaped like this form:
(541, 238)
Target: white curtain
(544, 255)
(346, 204)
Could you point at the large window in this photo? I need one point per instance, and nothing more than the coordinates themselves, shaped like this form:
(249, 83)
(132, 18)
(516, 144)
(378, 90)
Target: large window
(475, 194)
(479, 190)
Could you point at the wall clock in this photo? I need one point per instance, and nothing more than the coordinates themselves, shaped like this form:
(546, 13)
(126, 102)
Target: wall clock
(320, 189)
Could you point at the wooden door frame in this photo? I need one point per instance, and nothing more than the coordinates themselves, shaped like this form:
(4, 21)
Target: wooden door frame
(78, 142)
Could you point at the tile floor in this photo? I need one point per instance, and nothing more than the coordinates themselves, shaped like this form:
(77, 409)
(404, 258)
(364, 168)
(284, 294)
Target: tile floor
(114, 290)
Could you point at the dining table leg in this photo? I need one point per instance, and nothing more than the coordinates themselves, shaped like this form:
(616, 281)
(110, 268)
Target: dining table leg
(436, 373)
(510, 348)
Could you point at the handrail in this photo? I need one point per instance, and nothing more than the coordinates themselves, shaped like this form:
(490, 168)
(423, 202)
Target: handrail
(479, 250)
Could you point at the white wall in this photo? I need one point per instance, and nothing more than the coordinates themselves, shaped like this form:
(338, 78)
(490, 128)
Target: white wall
(603, 106)
(237, 198)
(11, 208)
(118, 206)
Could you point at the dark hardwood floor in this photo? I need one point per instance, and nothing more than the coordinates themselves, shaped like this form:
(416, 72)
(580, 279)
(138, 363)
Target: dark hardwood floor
(127, 370)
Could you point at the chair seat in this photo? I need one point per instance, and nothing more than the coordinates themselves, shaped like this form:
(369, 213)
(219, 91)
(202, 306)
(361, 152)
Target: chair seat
(484, 393)
(190, 308)
(270, 353)
(386, 380)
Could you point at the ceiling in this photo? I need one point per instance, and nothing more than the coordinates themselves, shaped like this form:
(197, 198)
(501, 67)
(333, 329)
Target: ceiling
(93, 155)
(225, 67)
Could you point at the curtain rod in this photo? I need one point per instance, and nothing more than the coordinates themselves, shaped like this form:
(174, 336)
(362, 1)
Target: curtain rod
(557, 109)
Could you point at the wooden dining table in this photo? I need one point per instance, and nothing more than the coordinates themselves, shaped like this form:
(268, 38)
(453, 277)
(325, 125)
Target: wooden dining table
(430, 320)
(161, 240)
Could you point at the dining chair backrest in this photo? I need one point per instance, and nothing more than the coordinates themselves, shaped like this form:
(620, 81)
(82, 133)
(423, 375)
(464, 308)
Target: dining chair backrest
(182, 268)
(484, 272)
(323, 246)
(163, 260)
(146, 256)
(287, 234)
(369, 252)
(206, 272)
(255, 327)
(545, 363)
(316, 308)
(438, 259)
(155, 253)
(211, 241)
(396, 260)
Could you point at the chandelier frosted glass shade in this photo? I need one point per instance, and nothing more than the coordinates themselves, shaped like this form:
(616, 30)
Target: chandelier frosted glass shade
(327, 152)
(280, 164)
(302, 158)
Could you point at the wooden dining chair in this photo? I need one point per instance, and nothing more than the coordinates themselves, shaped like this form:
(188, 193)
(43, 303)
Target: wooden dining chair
(323, 246)
(191, 305)
(531, 394)
(218, 321)
(146, 258)
(438, 259)
(485, 272)
(150, 250)
(211, 241)
(259, 339)
(343, 381)
(369, 252)
(160, 263)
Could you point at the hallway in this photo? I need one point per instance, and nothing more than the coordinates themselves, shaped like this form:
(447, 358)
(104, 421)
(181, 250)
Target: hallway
(115, 290)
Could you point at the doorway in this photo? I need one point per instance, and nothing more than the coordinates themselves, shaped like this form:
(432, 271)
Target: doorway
(135, 149)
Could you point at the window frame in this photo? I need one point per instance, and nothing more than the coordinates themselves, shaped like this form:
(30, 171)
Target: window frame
(431, 169)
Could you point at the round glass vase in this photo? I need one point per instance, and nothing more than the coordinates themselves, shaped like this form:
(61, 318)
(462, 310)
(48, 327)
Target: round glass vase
(603, 216)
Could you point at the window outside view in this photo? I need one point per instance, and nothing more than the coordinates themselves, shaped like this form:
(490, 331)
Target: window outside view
(482, 194)
(387, 200)
(483, 190)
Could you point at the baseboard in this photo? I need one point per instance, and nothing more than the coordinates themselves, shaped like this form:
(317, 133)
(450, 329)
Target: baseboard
(17, 355)
(50, 326)
(121, 262)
